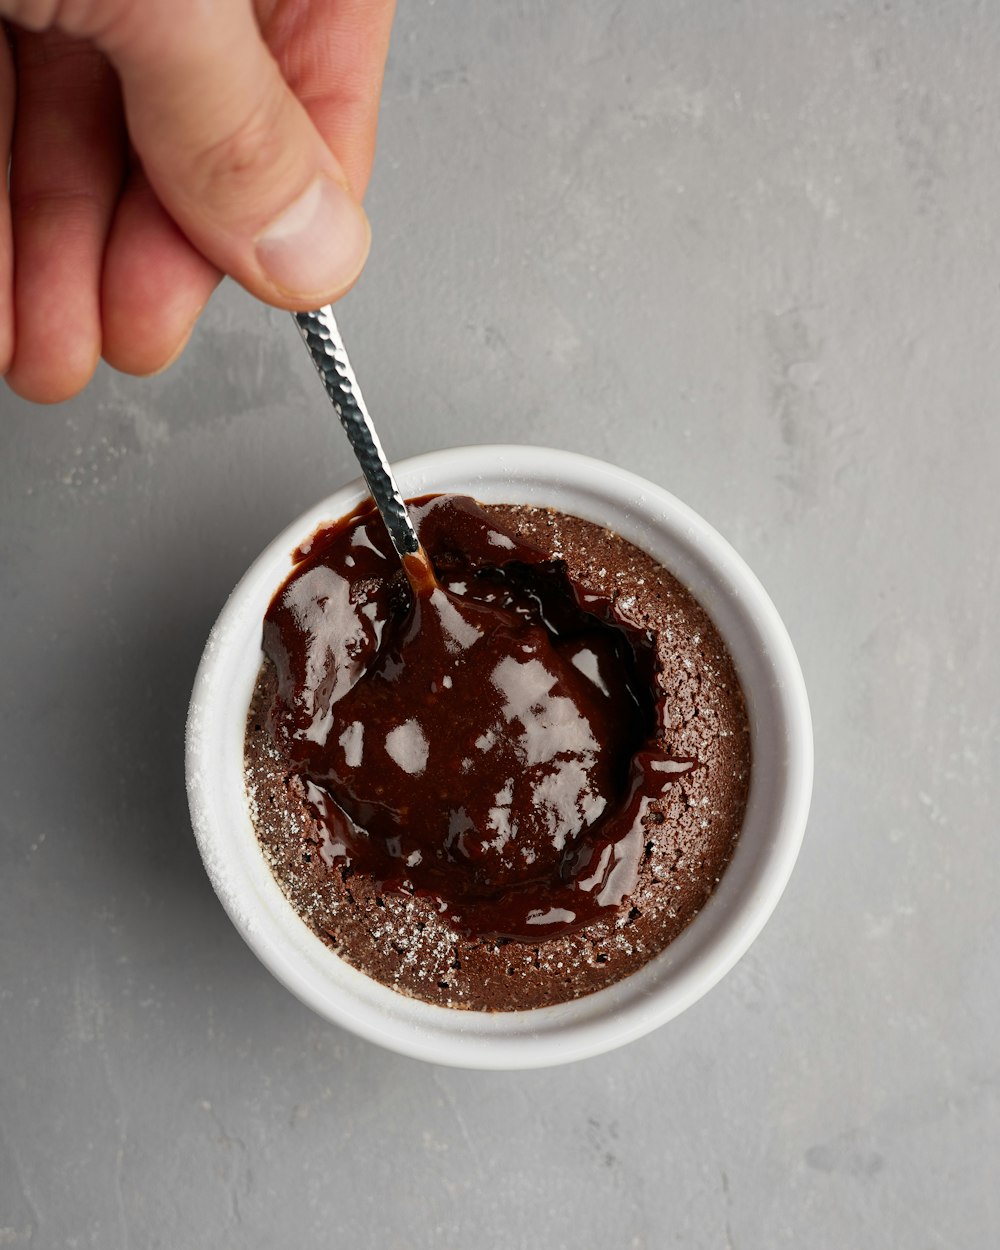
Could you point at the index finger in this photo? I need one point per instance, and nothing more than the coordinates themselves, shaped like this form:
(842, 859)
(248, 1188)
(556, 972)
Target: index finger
(332, 55)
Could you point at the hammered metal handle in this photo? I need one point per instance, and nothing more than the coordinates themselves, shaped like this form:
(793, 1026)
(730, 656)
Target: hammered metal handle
(322, 338)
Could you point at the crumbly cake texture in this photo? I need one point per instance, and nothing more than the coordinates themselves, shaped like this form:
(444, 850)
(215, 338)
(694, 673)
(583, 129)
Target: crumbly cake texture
(690, 832)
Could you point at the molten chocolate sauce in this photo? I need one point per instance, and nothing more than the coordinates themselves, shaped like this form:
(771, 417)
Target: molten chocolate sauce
(491, 742)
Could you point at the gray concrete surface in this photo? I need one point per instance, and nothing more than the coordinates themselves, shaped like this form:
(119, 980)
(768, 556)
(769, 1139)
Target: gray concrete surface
(749, 250)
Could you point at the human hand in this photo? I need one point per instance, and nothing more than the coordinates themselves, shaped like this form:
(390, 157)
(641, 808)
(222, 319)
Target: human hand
(156, 144)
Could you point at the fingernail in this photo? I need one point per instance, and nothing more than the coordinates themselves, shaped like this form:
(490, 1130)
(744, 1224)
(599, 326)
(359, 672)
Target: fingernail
(318, 246)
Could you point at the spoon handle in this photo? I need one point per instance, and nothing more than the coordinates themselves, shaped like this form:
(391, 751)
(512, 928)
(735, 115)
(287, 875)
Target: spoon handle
(322, 338)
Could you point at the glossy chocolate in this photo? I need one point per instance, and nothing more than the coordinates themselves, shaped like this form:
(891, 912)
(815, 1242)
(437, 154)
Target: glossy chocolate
(491, 742)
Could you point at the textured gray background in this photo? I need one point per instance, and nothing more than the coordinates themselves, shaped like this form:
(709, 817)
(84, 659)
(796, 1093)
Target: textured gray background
(746, 249)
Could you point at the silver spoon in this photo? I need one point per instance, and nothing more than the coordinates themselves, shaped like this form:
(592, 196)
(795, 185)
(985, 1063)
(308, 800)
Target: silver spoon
(322, 339)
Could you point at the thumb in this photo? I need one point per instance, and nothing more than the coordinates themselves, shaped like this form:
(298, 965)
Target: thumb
(231, 152)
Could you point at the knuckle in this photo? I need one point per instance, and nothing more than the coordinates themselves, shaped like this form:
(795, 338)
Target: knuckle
(31, 14)
(67, 205)
(77, 17)
(235, 166)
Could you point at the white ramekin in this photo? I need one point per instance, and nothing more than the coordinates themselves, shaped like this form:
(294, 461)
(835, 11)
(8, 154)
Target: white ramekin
(751, 885)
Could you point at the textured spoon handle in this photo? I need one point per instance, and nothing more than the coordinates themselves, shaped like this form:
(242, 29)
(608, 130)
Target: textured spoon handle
(326, 347)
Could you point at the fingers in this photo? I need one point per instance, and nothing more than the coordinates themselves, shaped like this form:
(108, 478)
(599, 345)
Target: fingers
(332, 54)
(258, 177)
(232, 154)
(155, 284)
(66, 170)
(6, 242)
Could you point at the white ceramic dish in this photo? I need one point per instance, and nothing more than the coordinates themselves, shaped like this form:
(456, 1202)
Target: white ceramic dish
(781, 736)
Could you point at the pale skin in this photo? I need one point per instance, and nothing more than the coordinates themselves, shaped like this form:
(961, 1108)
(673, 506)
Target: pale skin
(156, 145)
